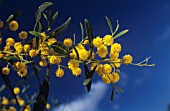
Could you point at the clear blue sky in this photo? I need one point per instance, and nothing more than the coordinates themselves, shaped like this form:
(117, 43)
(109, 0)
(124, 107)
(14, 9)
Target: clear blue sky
(148, 21)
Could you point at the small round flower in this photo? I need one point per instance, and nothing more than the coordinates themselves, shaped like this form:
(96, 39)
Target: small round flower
(99, 69)
(115, 48)
(48, 106)
(55, 60)
(68, 42)
(21, 102)
(97, 42)
(17, 44)
(1, 24)
(114, 55)
(107, 68)
(72, 64)
(23, 35)
(44, 36)
(43, 62)
(102, 51)
(116, 63)
(16, 90)
(12, 108)
(10, 41)
(51, 41)
(5, 101)
(5, 71)
(107, 78)
(22, 73)
(116, 77)
(27, 108)
(20, 66)
(13, 25)
(32, 53)
(1, 55)
(27, 48)
(108, 40)
(76, 71)
(83, 54)
(127, 59)
(13, 101)
(86, 42)
(59, 72)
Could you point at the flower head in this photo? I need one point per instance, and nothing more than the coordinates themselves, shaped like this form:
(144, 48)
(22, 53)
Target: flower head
(26, 48)
(43, 62)
(127, 59)
(116, 77)
(32, 53)
(107, 68)
(10, 41)
(108, 40)
(76, 71)
(68, 42)
(13, 25)
(23, 35)
(115, 48)
(102, 51)
(106, 78)
(97, 42)
(59, 72)
(73, 64)
(5, 71)
(55, 60)
(16, 90)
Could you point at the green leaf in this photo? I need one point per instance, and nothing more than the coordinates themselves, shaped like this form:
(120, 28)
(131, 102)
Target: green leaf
(41, 9)
(59, 30)
(35, 33)
(42, 97)
(117, 27)
(53, 19)
(121, 33)
(45, 16)
(112, 96)
(110, 24)
(60, 48)
(9, 18)
(86, 81)
(118, 88)
(82, 31)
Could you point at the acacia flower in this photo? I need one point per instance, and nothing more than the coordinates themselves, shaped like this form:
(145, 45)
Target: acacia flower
(97, 42)
(108, 40)
(16, 90)
(86, 42)
(107, 68)
(72, 64)
(1, 55)
(68, 42)
(23, 35)
(5, 71)
(102, 51)
(127, 59)
(116, 63)
(51, 41)
(48, 106)
(114, 55)
(83, 54)
(12, 108)
(13, 25)
(21, 101)
(10, 41)
(59, 72)
(5, 101)
(22, 73)
(107, 78)
(99, 69)
(32, 53)
(116, 77)
(76, 71)
(55, 60)
(43, 62)
(27, 48)
(115, 48)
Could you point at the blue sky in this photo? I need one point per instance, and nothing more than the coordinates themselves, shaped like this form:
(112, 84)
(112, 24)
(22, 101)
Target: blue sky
(146, 88)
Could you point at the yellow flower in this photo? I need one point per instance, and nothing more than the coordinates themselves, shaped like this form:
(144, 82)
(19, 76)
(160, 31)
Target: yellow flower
(20, 66)
(106, 78)
(21, 102)
(51, 41)
(13, 25)
(68, 42)
(108, 40)
(16, 90)
(12, 108)
(99, 69)
(59, 72)
(107, 68)
(86, 42)
(32, 53)
(43, 62)
(17, 44)
(23, 35)
(116, 77)
(115, 48)
(114, 55)
(5, 101)
(1, 55)
(76, 71)
(22, 73)
(48, 106)
(92, 65)
(80, 47)
(27, 48)
(116, 63)
(43, 36)
(102, 51)
(72, 64)
(97, 42)
(127, 59)
(27, 108)
(1, 24)
(92, 56)
(83, 54)
(10, 41)
(55, 60)
(13, 101)
(5, 71)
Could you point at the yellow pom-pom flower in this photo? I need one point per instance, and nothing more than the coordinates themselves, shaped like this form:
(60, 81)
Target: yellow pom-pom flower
(48, 106)
(72, 64)
(12, 108)
(83, 54)
(107, 68)
(16, 90)
(32, 53)
(5, 71)
(27, 48)
(97, 42)
(86, 42)
(115, 48)
(1, 55)
(55, 60)
(21, 102)
(59, 72)
(13, 25)
(17, 44)
(116, 77)
(68, 42)
(20, 66)
(116, 63)
(114, 55)
(127, 59)
(51, 41)
(102, 51)
(43, 62)
(5, 101)
(99, 69)
(23, 35)
(1, 24)
(108, 40)
(10, 41)
(107, 78)
(22, 73)
(76, 71)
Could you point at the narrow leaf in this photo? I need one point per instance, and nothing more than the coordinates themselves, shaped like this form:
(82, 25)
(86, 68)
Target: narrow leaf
(117, 27)
(35, 33)
(118, 88)
(89, 31)
(112, 96)
(59, 30)
(53, 19)
(86, 81)
(121, 33)
(45, 16)
(110, 24)
(9, 19)
(82, 31)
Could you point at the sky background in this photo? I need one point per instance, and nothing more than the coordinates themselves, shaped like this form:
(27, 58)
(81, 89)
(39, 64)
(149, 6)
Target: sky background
(148, 21)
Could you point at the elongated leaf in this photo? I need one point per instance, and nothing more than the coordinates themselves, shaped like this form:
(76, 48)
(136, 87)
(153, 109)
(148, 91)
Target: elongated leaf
(35, 33)
(82, 31)
(59, 30)
(110, 24)
(121, 33)
(112, 96)
(59, 48)
(89, 32)
(86, 81)
(53, 19)
(117, 27)
(87, 74)
(9, 18)
(42, 97)
(118, 88)
(41, 9)
(45, 16)
(8, 83)
(13, 17)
